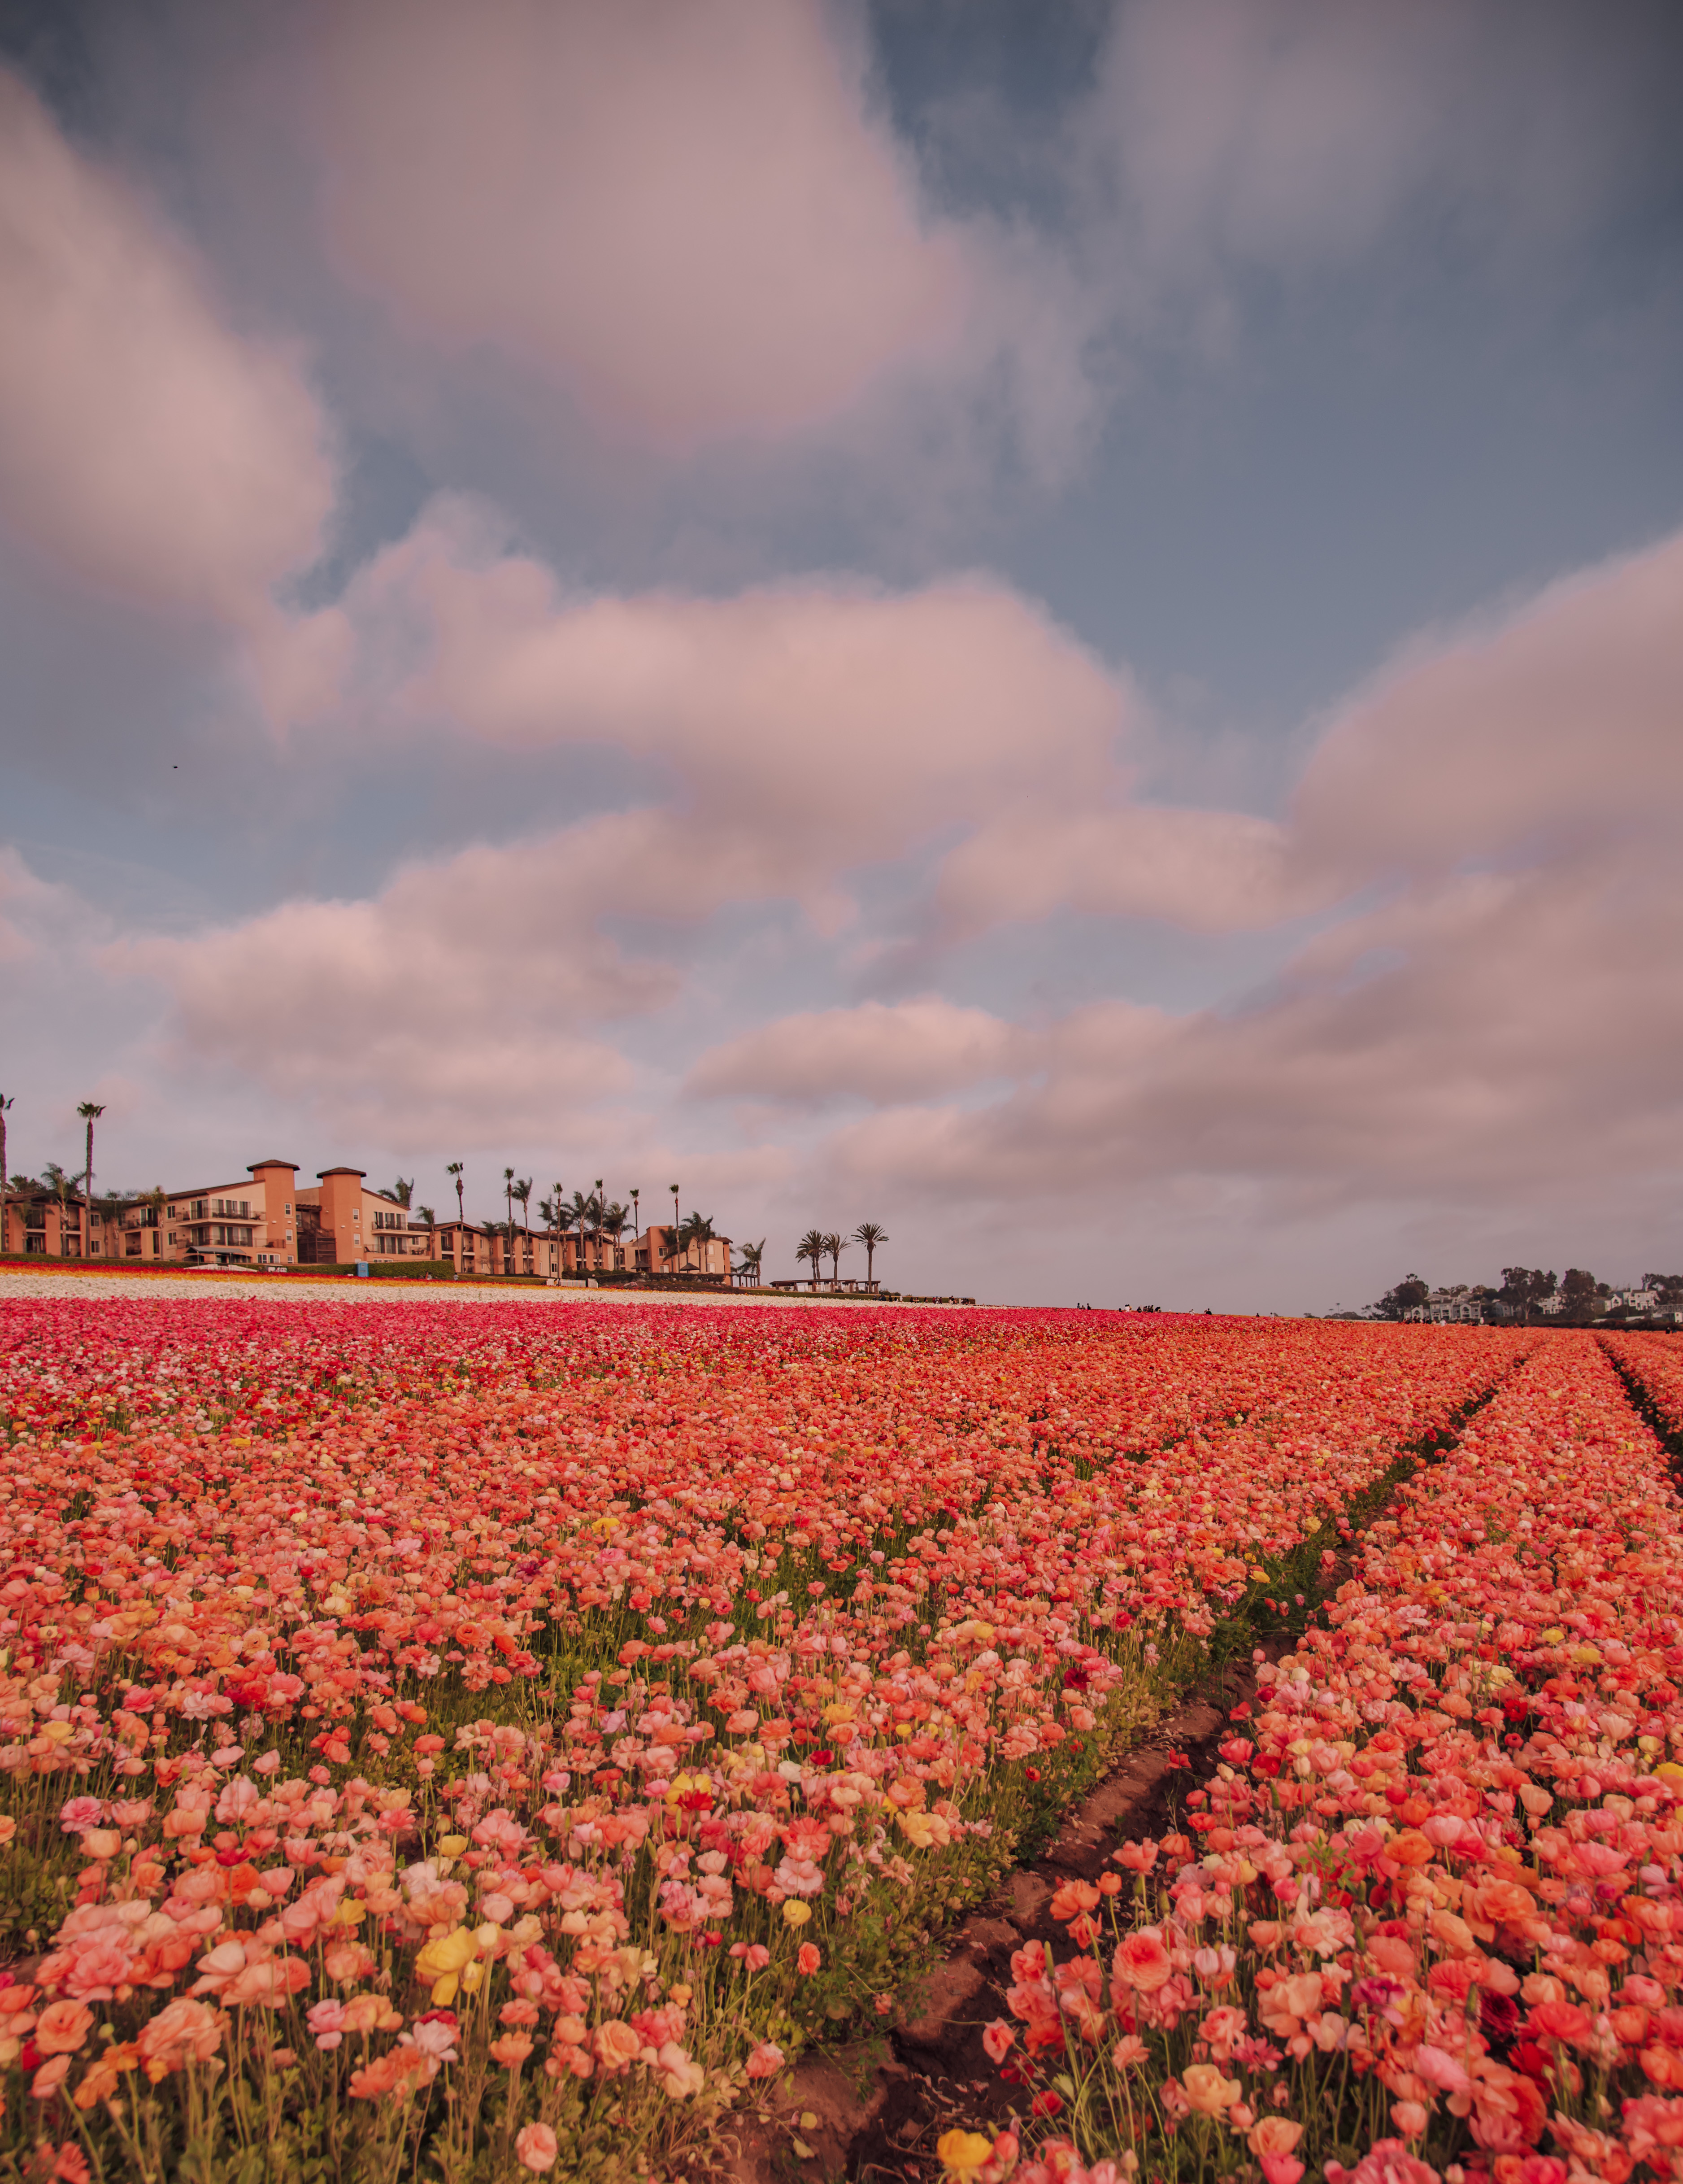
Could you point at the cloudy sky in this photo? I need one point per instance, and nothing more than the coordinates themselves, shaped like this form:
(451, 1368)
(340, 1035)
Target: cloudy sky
(1059, 626)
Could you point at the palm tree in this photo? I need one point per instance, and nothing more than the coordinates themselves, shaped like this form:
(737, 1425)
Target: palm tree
(672, 1188)
(523, 1194)
(581, 1213)
(402, 1192)
(812, 1245)
(89, 1110)
(749, 1262)
(612, 1222)
(697, 1230)
(636, 1213)
(4, 1104)
(430, 1219)
(455, 1169)
(870, 1235)
(508, 1194)
(56, 1180)
(835, 1245)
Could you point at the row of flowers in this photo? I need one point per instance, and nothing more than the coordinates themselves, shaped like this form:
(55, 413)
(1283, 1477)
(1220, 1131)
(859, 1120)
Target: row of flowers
(491, 1728)
(1426, 1920)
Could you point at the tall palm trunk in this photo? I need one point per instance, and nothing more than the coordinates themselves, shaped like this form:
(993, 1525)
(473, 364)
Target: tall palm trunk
(89, 1110)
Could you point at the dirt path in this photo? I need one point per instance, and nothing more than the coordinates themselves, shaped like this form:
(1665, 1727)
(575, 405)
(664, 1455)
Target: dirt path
(869, 2116)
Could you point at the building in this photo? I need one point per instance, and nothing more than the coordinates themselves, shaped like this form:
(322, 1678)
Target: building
(1448, 1308)
(266, 1219)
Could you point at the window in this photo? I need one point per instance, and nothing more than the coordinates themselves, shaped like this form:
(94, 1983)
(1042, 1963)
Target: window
(134, 1243)
(289, 1205)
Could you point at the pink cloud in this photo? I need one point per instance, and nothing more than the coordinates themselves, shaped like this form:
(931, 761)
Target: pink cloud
(1225, 135)
(1497, 1015)
(1497, 1041)
(912, 1051)
(451, 1004)
(143, 444)
(686, 216)
(817, 725)
(1550, 724)
(1556, 723)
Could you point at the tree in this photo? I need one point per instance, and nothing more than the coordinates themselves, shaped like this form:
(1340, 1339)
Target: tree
(89, 1110)
(402, 1192)
(455, 1169)
(672, 1188)
(581, 1215)
(835, 1245)
(523, 1196)
(59, 1183)
(552, 1209)
(872, 1237)
(1577, 1290)
(636, 1213)
(1524, 1289)
(812, 1246)
(1410, 1292)
(430, 1221)
(749, 1262)
(5, 1104)
(697, 1230)
(509, 1196)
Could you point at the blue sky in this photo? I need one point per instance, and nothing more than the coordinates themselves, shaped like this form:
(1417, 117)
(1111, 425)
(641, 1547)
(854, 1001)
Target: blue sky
(1055, 627)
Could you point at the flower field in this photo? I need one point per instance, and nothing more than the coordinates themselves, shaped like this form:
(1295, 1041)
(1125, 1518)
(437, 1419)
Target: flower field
(496, 1741)
(1426, 1919)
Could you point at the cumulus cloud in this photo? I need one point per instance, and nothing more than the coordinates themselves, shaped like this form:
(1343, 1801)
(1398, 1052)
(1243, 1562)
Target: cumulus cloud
(685, 216)
(1499, 1041)
(1227, 138)
(1498, 813)
(911, 1050)
(1496, 1018)
(144, 444)
(455, 1001)
(818, 724)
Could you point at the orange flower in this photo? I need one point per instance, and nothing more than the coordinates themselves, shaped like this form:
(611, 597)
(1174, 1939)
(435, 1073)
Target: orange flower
(62, 2027)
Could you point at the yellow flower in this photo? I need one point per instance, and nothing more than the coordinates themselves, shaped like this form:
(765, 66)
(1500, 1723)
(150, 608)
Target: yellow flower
(351, 1912)
(1670, 1771)
(1206, 2090)
(452, 1845)
(795, 1913)
(964, 2152)
(450, 1954)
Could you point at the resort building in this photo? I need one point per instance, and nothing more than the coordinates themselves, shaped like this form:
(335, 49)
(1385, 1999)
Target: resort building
(266, 1219)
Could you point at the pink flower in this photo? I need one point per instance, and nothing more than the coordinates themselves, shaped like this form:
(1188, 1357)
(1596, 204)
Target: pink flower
(326, 2021)
(1141, 1961)
(536, 2147)
(61, 2028)
(1387, 2161)
(766, 2060)
(81, 1813)
(998, 2039)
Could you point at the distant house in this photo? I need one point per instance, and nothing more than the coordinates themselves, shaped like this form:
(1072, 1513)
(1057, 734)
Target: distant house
(1448, 1307)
